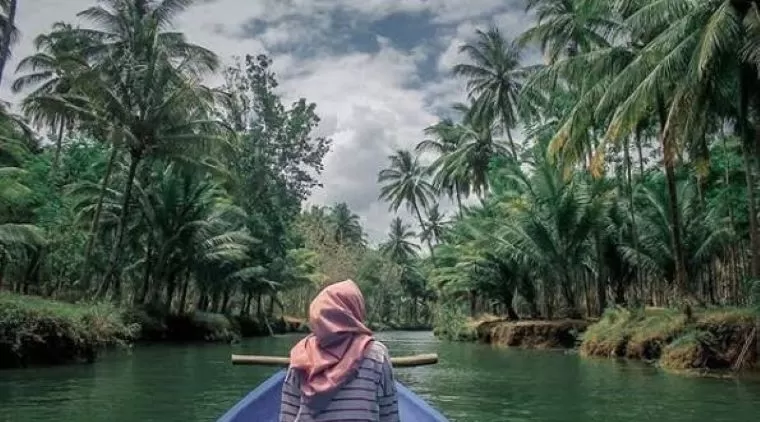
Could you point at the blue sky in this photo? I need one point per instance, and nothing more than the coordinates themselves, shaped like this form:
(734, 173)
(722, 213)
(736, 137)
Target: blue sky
(377, 69)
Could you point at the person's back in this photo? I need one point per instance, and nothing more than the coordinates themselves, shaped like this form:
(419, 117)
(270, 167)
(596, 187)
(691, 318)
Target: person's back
(369, 396)
(339, 372)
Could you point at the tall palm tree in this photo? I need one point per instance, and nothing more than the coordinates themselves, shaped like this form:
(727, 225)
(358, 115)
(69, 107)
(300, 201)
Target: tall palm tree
(494, 79)
(405, 182)
(142, 82)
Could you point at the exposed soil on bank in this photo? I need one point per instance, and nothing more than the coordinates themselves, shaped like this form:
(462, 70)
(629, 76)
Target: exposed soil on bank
(560, 334)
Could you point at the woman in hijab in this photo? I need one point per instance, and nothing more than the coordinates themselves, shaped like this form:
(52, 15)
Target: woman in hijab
(339, 372)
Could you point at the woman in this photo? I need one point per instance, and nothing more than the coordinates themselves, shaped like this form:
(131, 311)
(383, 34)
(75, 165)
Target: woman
(339, 372)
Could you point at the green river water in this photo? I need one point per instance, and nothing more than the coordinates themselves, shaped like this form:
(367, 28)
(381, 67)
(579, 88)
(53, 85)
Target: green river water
(471, 383)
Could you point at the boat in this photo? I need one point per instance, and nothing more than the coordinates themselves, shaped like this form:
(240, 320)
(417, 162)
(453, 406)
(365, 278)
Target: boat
(263, 404)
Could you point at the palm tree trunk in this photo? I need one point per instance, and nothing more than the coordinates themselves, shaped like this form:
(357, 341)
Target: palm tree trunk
(5, 49)
(113, 260)
(668, 152)
(641, 153)
(58, 147)
(422, 227)
(85, 279)
(459, 201)
(631, 206)
(511, 144)
(140, 299)
(746, 141)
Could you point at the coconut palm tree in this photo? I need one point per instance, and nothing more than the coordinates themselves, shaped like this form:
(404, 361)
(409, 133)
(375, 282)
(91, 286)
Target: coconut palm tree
(568, 27)
(142, 83)
(494, 79)
(434, 226)
(404, 182)
(399, 247)
(52, 70)
(346, 226)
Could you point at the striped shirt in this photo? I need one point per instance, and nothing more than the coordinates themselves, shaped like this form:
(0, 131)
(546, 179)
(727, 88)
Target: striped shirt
(369, 396)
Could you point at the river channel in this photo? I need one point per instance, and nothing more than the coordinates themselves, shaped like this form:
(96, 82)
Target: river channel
(472, 383)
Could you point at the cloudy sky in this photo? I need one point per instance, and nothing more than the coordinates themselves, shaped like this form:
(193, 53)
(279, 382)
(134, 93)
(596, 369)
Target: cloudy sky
(377, 69)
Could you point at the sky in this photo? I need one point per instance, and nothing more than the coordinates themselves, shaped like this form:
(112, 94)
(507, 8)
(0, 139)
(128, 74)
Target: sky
(378, 70)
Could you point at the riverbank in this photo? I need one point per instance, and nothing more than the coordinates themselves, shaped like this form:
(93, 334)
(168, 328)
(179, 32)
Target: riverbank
(526, 334)
(37, 331)
(712, 339)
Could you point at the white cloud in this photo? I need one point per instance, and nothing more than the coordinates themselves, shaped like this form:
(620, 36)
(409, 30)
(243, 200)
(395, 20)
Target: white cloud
(370, 104)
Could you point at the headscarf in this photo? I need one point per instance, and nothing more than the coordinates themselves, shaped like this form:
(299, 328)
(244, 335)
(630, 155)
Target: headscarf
(337, 343)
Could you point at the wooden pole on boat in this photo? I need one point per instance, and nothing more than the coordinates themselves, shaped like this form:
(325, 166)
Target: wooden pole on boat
(398, 362)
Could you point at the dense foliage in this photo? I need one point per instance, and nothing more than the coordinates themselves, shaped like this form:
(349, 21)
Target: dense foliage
(635, 182)
(155, 191)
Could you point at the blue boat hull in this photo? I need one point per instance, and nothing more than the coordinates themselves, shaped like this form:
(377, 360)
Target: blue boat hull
(263, 404)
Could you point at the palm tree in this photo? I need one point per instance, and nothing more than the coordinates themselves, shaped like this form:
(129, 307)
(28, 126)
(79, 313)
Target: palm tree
(446, 138)
(494, 79)
(142, 83)
(568, 27)
(52, 70)
(399, 247)
(434, 226)
(405, 182)
(476, 149)
(346, 226)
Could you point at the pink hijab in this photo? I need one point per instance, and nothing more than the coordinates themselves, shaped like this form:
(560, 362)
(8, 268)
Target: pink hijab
(336, 347)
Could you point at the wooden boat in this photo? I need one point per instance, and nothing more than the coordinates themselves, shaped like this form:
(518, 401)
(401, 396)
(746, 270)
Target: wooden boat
(263, 403)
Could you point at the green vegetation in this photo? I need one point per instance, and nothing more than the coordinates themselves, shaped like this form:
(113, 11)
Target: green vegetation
(39, 331)
(634, 183)
(178, 202)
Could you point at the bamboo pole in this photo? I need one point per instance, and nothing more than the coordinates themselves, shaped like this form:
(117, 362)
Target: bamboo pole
(399, 362)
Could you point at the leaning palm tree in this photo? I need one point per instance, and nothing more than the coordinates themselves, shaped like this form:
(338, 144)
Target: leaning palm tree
(494, 79)
(405, 182)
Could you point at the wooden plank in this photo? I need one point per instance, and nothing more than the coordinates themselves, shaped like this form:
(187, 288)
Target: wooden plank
(399, 362)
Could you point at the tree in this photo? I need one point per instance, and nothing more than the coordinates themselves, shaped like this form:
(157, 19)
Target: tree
(404, 182)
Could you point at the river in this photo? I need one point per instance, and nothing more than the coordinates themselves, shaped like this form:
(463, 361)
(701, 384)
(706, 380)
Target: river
(472, 383)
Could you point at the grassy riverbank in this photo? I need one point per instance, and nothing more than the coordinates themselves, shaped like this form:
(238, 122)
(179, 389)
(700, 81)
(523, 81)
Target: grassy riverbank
(712, 339)
(37, 331)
